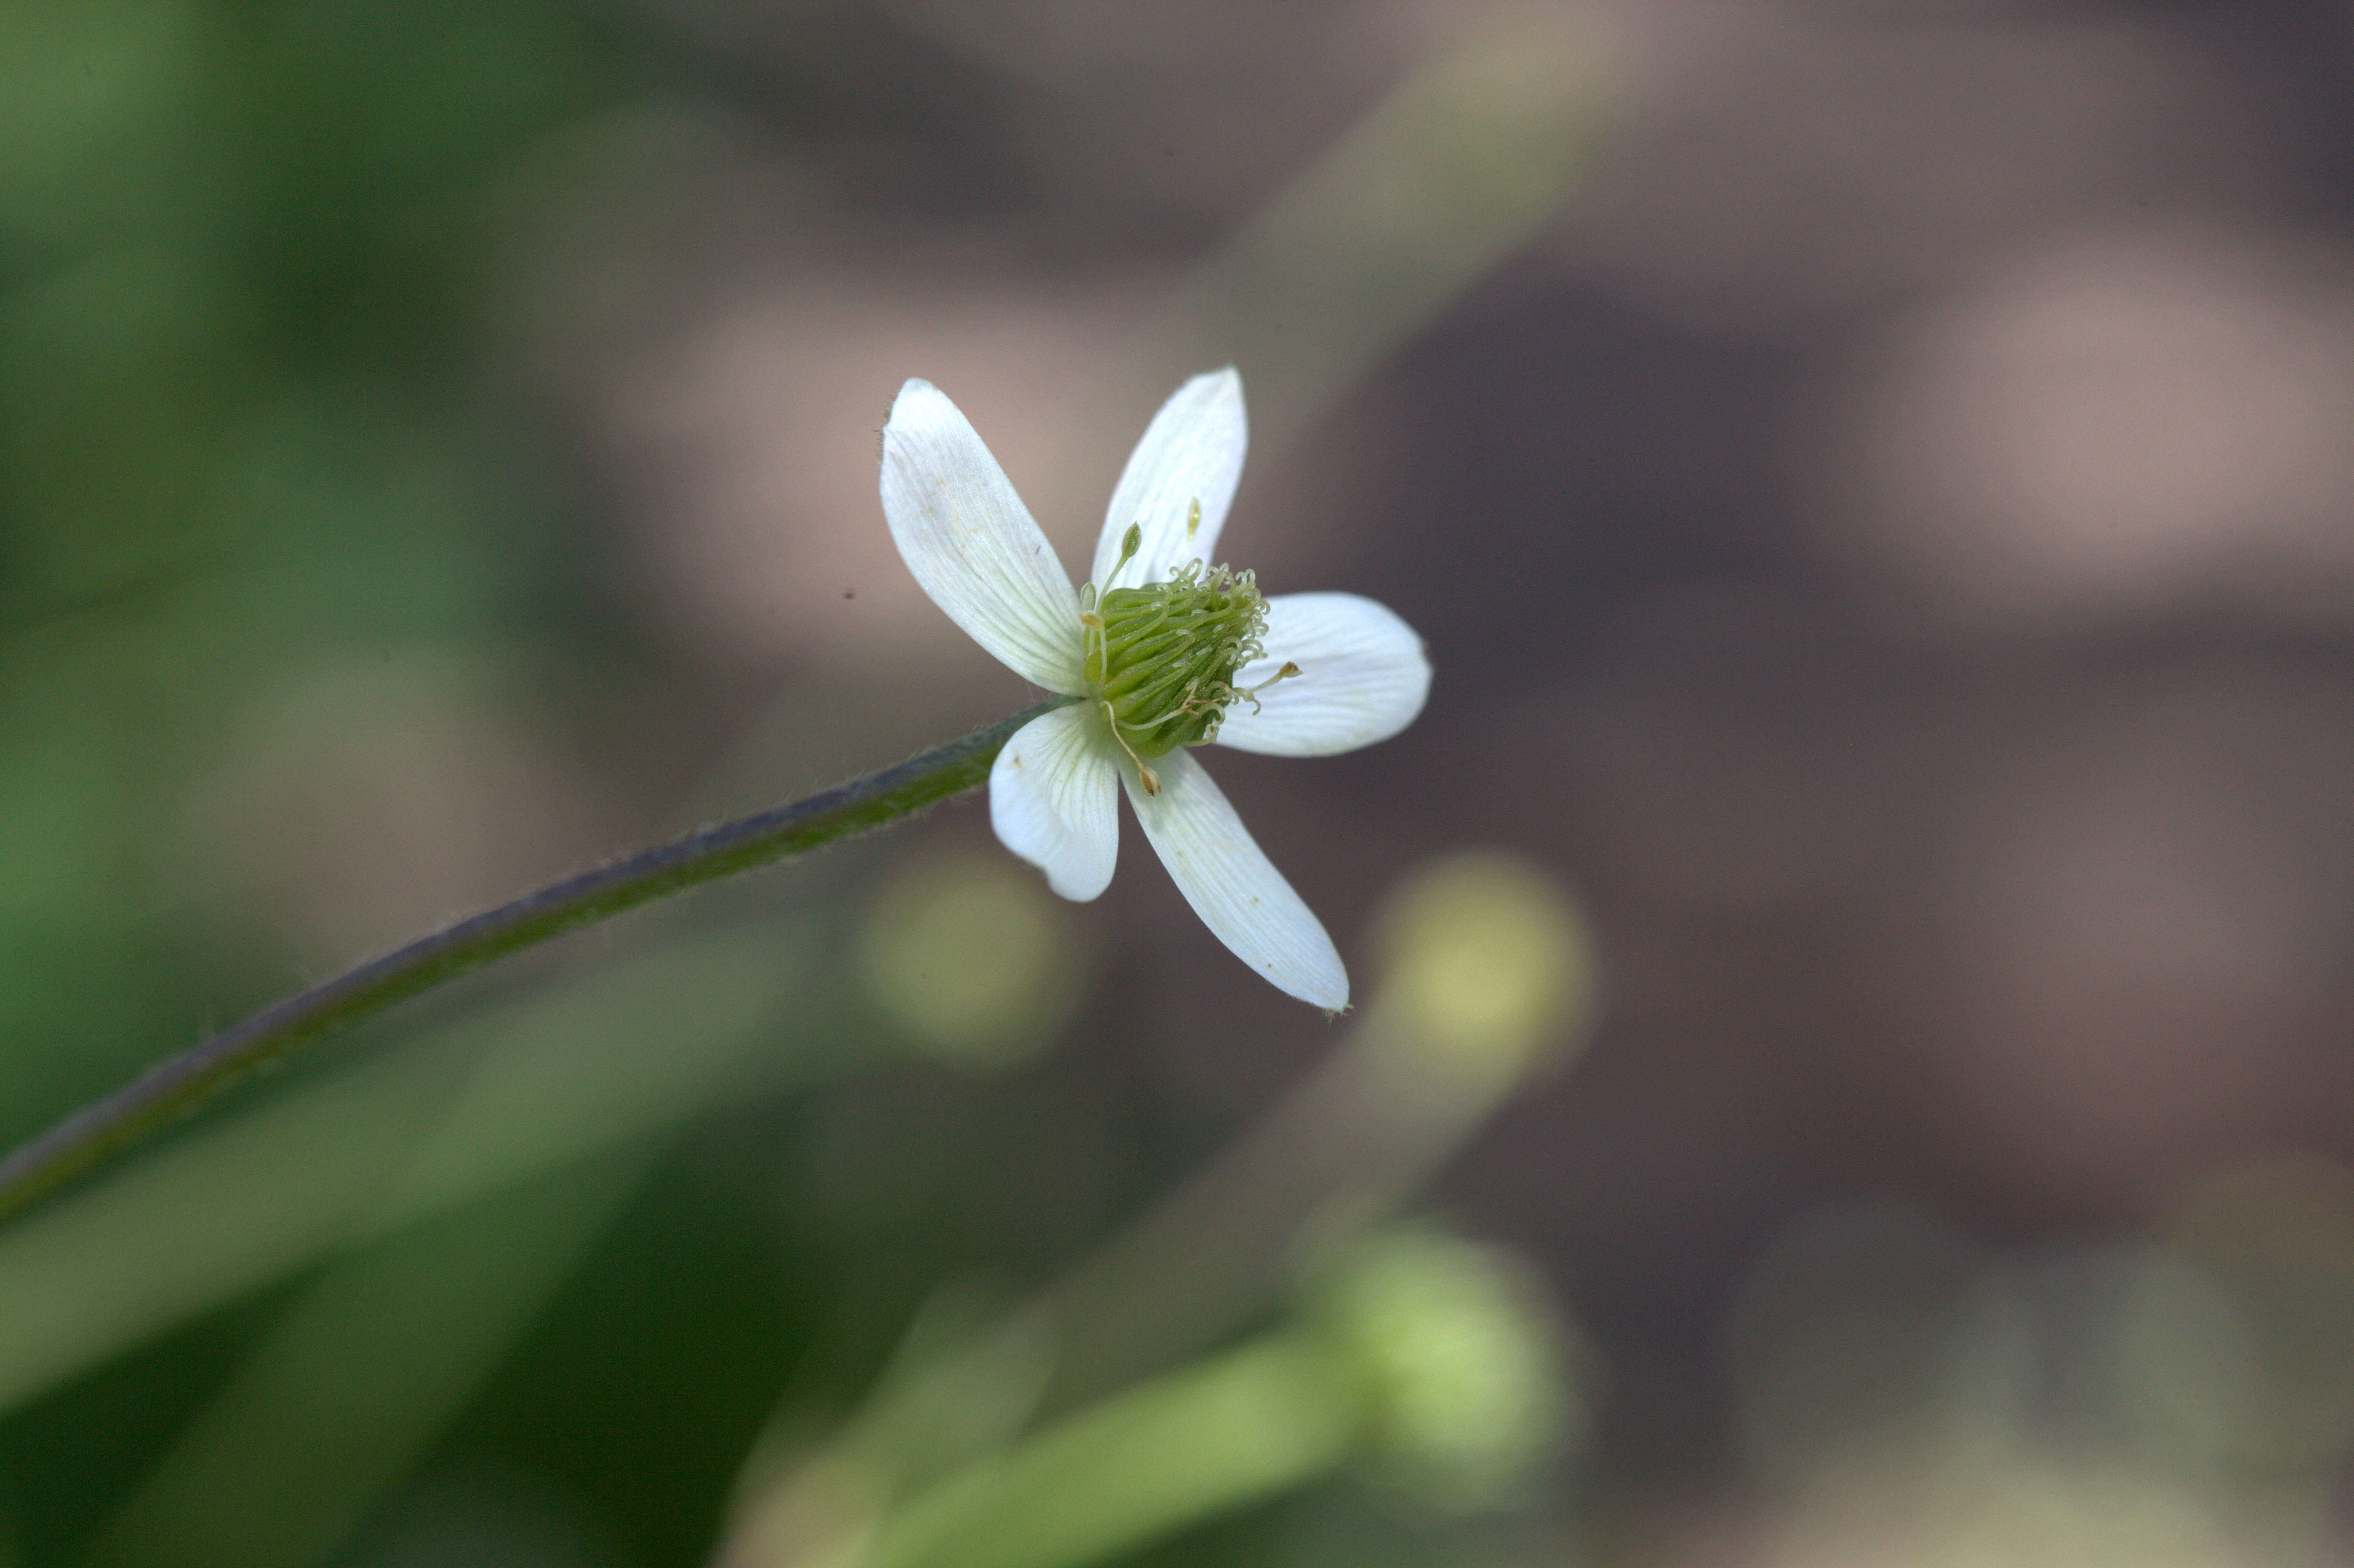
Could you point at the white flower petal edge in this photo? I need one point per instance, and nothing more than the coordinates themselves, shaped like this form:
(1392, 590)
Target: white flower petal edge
(1191, 451)
(972, 545)
(1363, 676)
(1053, 801)
(1234, 887)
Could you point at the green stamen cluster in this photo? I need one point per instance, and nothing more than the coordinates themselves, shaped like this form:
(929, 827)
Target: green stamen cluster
(1162, 659)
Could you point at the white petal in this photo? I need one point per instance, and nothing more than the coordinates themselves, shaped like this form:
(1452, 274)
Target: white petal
(1192, 451)
(1052, 800)
(1236, 890)
(972, 545)
(1363, 678)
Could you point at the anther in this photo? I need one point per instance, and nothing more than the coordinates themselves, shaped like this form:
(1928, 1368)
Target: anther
(1289, 670)
(1149, 779)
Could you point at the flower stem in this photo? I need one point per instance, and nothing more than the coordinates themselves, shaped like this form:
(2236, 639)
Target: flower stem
(179, 1084)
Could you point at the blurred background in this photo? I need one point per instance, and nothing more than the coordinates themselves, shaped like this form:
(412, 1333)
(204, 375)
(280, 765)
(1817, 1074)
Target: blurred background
(1854, 966)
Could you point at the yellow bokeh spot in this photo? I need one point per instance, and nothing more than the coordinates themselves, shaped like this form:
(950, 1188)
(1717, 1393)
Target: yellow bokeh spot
(1487, 962)
(972, 960)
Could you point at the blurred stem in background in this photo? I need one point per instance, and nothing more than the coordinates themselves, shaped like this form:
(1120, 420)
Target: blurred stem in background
(605, 1062)
(1419, 1351)
(1455, 169)
(1486, 974)
(417, 1322)
(451, 1185)
(1458, 167)
(180, 1084)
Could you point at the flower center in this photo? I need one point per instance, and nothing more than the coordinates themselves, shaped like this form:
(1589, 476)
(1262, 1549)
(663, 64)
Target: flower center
(1162, 659)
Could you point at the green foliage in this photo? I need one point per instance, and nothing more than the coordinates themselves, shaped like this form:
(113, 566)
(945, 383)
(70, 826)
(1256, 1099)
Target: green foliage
(245, 257)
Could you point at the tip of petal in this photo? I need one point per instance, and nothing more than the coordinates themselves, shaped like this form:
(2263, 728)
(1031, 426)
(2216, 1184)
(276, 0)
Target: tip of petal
(1225, 378)
(915, 385)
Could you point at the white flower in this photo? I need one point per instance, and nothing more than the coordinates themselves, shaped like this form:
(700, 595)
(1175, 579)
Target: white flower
(1163, 650)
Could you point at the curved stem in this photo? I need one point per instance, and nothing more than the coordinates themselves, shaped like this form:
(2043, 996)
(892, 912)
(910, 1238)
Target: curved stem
(180, 1082)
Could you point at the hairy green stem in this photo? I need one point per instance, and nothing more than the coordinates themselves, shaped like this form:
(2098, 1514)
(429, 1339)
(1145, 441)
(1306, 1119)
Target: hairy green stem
(180, 1082)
